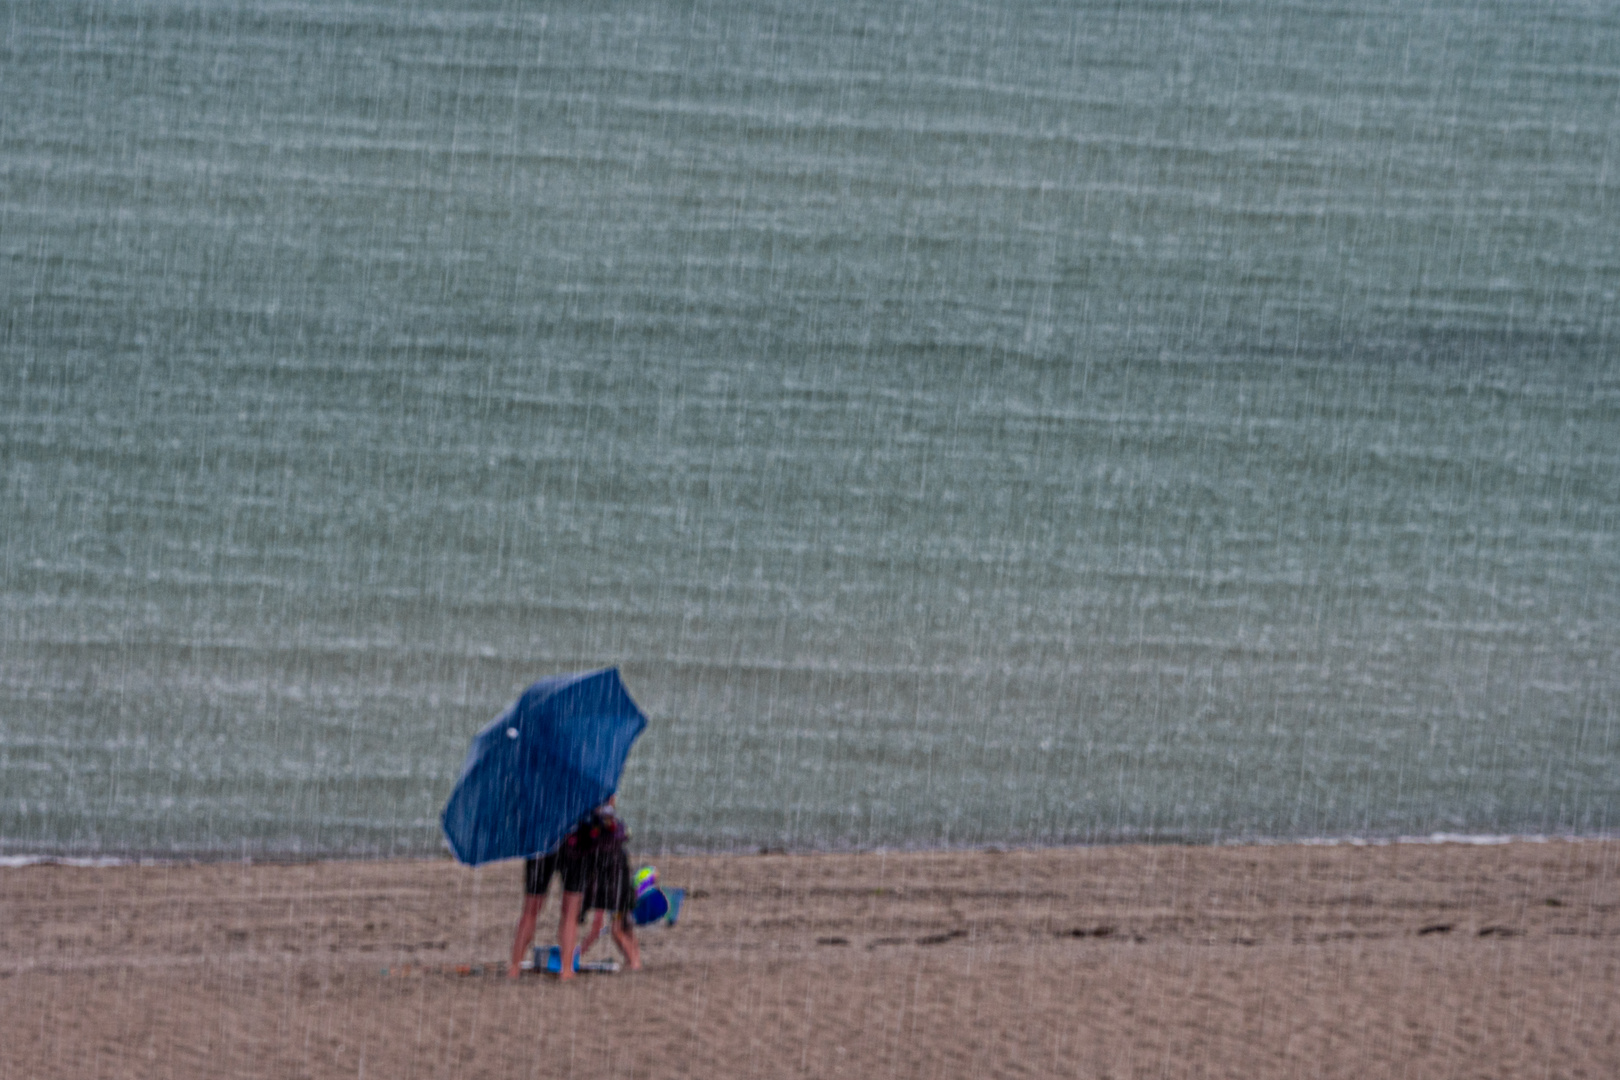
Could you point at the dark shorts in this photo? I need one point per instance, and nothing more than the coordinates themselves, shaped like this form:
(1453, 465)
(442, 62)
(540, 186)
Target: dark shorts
(603, 877)
(537, 872)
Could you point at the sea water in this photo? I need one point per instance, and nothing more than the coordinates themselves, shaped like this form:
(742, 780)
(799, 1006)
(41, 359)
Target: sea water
(963, 423)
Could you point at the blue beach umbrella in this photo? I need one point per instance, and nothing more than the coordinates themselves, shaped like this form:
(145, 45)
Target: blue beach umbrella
(541, 766)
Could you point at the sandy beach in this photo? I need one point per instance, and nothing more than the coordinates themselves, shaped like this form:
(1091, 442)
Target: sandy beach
(1442, 960)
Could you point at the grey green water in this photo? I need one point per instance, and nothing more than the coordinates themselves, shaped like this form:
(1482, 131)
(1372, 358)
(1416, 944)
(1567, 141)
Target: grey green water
(963, 423)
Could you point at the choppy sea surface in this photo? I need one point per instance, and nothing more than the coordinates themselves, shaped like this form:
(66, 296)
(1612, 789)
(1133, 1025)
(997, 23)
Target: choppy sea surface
(962, 423)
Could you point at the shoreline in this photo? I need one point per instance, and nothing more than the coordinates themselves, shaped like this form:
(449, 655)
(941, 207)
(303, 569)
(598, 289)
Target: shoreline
(16, 860)
(1268, 960)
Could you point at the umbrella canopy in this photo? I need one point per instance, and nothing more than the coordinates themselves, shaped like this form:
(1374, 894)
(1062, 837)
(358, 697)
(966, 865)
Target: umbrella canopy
(535, 770)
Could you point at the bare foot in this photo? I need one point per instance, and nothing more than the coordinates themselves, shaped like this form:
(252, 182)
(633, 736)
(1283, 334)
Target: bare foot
(514, 970)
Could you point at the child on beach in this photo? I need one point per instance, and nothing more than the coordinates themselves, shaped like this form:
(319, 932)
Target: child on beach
(596, 877)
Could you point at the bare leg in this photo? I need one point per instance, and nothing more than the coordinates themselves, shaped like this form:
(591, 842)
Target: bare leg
(590, 938)
(624, 936)
(525, 932)
(568, 931)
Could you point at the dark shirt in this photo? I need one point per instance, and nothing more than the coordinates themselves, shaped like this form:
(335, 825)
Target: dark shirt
(597, 834)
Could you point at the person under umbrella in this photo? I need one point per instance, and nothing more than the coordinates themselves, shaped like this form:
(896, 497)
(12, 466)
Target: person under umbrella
(538, 871)
(534, 772)
(595, 869)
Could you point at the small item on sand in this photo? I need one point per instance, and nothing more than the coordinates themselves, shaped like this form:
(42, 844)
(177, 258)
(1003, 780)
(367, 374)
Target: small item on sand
(551, 963)
(549, 959)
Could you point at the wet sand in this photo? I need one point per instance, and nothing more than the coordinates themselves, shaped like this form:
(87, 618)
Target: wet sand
(1288, 961)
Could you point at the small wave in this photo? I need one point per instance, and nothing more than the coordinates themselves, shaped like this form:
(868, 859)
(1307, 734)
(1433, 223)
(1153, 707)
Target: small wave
(9, 861)
(1477, 839)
